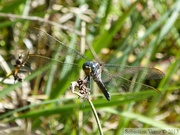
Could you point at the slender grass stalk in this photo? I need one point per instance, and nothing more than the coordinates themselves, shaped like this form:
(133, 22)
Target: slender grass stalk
(96, 116)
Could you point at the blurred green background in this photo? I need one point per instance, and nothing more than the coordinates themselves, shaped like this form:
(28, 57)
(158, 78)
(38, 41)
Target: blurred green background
(127, 32)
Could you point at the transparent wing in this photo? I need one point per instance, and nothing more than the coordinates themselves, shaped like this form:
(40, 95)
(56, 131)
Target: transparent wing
(47, 44)
(37, 61)
(48, 49)
(149, 73)
(129, 79)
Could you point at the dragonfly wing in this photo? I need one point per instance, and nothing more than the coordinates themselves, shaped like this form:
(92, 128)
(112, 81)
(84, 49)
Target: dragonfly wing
(52, 43)
(50, 49)
(121, 84)
(148, 73)
(37, 61)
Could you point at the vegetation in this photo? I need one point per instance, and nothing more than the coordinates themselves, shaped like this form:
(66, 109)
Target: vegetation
(139, 33)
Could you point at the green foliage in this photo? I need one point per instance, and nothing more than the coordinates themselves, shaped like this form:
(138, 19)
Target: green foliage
(143, 33)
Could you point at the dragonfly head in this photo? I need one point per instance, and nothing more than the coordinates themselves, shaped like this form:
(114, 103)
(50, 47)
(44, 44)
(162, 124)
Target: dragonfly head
(19, 59)
(88, 67)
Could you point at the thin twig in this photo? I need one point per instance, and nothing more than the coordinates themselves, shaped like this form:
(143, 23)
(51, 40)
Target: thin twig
(39, 19)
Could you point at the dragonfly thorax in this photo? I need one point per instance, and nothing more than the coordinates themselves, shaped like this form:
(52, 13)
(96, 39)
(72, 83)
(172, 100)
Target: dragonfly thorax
(92, 69)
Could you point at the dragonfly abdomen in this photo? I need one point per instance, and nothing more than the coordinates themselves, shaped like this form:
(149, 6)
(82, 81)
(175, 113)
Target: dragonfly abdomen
(103, 89)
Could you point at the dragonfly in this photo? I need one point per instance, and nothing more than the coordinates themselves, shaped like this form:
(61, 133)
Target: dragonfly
(19, 63)
(94, 70)
(106, 76)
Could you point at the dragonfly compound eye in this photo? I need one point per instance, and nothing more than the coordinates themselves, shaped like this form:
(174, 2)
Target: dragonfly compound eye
(87, 68)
